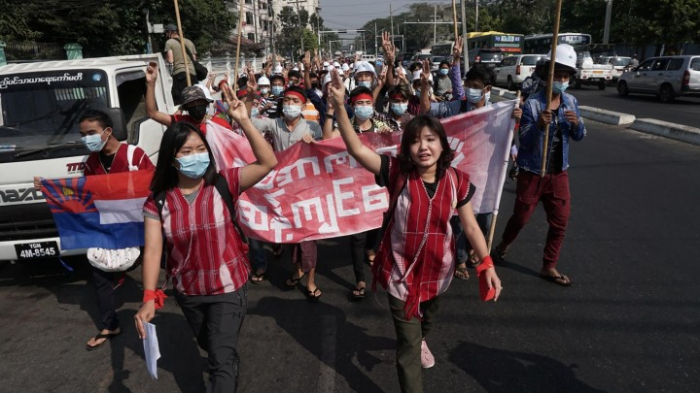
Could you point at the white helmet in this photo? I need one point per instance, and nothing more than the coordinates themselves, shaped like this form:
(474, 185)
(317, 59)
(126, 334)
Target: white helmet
(326, 79)
(263, 81)
(365, 67)
(345, 67)
(326, 64)
(278, 70)
(566, 56)
(336, 64)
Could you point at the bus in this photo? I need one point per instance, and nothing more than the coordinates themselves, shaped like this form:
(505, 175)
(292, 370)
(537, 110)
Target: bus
(507, 43)
(442, 49)
(542, 43)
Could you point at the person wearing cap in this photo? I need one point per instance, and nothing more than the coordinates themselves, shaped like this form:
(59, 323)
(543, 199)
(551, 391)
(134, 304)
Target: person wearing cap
(175, 56)
(319, 100)
(365, 75)
(564, 121)
(264, 86)
(195, 103)
(286, 131)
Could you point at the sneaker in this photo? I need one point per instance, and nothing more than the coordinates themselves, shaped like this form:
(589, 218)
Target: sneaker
(427, 360)
(497, 255)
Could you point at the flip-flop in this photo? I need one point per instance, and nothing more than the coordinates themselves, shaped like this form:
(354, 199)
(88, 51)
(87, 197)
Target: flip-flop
(293, 281)
(461, 272)
(107, 337)
(560, 279)
(314, 295)
(357, 293)
(256, 278)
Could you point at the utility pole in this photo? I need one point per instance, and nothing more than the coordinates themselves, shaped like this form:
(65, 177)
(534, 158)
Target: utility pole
(375, 40)
(391, 16)
(435, 25)
(476, 22)
(271, 13)
(302, 27)
(608, 14)
(465, 52)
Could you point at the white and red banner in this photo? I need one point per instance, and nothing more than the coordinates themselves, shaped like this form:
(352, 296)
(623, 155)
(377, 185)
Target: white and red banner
(319, 191)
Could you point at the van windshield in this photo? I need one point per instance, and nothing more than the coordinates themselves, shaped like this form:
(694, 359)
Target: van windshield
(40, 112)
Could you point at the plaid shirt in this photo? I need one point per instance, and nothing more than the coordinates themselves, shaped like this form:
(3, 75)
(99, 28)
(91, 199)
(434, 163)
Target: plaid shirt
(205, 253)
(395, 125)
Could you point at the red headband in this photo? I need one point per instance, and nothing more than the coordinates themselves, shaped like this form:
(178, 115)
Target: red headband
(361, 96)
(295, 93)
(398, 96)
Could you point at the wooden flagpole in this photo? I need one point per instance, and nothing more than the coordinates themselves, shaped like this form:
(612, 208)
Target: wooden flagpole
(182, 44)
(238, 46)
(550, 81)
(492, 229)
(454, 18)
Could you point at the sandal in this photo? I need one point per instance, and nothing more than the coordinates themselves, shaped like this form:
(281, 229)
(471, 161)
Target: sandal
(106, 336)
(370, 261)
(498, 255)
(294, 280)
(560, 279)
(358, 293)
(257, 278)
(314, 295)
(277, 250)
(461, 271)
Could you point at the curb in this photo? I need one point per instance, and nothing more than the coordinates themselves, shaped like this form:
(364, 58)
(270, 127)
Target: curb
(605, 116)
(669, 130)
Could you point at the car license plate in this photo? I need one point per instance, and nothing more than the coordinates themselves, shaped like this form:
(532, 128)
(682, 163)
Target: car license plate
(36, 250)
(597, 72)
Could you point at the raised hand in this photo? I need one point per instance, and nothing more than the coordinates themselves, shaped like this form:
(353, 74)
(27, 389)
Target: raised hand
(389, 48)
(252, 84)
(307, 61)
(336, 90)
(152, 72)
(236, 108)
(457, 50)
(425, 75)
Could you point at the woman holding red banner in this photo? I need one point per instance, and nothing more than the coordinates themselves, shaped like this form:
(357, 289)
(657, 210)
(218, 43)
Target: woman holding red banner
(415, 262)
(192, 205)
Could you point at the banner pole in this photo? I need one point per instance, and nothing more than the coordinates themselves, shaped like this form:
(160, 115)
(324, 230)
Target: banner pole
(454, 18)
(238, 46)
(182, 44)
(492, 229)
(550, 80)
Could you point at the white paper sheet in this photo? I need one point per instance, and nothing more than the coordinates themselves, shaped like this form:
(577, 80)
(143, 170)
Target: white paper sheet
(150, 348)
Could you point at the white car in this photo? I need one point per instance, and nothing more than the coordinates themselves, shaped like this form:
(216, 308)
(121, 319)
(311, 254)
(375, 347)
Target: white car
(513, 70)
(667, 77)
(620, 64)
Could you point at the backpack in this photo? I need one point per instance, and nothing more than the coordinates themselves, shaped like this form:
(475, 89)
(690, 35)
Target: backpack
(117, 260)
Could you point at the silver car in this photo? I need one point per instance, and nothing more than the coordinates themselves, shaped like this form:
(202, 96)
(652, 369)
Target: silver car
(513, 70)
(667, 77)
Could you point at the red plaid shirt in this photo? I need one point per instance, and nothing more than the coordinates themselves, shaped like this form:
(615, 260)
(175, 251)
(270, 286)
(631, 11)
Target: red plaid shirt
(205, 253)
(93, 165)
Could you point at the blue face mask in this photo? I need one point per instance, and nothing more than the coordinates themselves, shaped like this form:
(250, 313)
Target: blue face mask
(559, 87)
(399, 109)
(194, 165)
(367, 84)
(277, 90)
(291, 112)
(444, 71)
(474, 95)
(94, 142)
(254, 112)
(363, 112)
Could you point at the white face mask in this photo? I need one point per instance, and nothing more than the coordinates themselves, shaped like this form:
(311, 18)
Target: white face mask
(291, 112)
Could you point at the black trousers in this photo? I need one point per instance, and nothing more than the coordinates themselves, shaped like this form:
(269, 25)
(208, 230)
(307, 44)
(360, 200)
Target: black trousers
(179, 83)
(104, 288)
(216, 321)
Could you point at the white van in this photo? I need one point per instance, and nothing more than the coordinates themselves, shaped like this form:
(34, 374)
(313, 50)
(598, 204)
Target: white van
(40, 105)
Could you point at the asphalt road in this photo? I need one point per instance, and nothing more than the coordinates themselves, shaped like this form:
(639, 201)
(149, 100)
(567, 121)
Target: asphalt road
(630, 322)
(684, 110)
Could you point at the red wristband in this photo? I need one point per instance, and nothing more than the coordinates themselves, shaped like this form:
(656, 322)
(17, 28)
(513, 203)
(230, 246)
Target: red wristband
(158, 296)
(486, 263)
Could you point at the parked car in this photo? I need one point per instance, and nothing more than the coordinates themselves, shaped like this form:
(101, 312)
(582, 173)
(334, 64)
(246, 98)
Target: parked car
(667, 77)
(436, 60)
(620, 64)
(490, 56)
(513, 70)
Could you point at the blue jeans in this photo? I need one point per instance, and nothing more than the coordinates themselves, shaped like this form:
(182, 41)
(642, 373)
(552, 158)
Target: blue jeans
(257, 254)
(461, 242)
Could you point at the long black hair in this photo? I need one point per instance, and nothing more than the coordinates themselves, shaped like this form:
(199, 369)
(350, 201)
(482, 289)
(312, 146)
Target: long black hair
(165, 177)
(412, 132)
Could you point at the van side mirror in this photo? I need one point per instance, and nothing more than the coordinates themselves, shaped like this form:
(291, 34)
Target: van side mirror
(118, 123)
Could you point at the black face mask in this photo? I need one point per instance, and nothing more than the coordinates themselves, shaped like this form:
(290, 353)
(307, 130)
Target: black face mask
(314, 85)
(198, 111)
